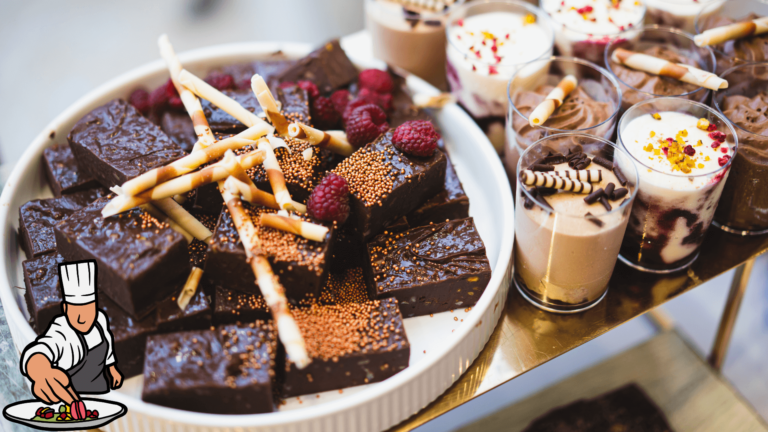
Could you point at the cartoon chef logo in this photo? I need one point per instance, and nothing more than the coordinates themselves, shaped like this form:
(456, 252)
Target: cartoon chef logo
(75, 356)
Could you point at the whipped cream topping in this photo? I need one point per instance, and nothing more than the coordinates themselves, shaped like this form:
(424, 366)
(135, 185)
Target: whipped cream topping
(596, 17)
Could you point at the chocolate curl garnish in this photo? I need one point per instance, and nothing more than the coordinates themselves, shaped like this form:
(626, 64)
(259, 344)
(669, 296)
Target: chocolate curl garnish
(191, 104)
(603, 162)
(589, 176)
(422, 100)
(542, 167)
(740, 30)
(609, 188)
(276, 178)
(183, 218)
(620, 176)
(225, 103)
(335, 142)
(554, 99)
(157, 214)
(180, 185)
(592, 218)
(190, 288)
(269, 105)
(537, 178)
(271, 289)
(619, 194)
(656, 66)
(299, 227)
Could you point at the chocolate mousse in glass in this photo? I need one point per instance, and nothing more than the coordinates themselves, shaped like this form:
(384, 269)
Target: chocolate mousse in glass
(488, 41)
(743, 209)
(592, 108)
(680, 13)
(411, 35)
(683, 151)
(567, 238)
(584, 27)
(665, 43)
(740, 51)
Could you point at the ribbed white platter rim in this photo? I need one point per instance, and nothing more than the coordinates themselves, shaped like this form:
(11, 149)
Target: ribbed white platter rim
(377, 407)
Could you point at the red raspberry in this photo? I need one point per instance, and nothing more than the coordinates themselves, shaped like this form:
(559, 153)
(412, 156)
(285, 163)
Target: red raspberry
(330, 200)
(375, 80)
(384, 100)
(161, 96)
(221, 81)
(139, 98)
(324, 115)
(284, 84)
(340, 100)
(717, 136)
(365, 124)
(416, 137)
(310, 88)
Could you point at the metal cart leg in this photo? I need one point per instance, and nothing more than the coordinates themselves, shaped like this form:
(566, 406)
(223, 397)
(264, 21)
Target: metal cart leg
(731, 311)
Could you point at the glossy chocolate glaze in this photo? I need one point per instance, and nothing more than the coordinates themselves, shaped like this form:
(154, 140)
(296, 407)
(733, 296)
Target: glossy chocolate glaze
(43, 294)
(179, 127)
(222, 122)
(130, 336)
(62, 173)
(196, 316)
(449, 204)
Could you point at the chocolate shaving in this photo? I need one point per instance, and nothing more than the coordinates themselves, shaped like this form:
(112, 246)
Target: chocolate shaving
(603, 162)
(536, 193)
(433, 23)
(543, 191)
(619, 193)
(542, 167)
(552, 159)
(590, 217)
(604, 201)
(594, 196)
(609, 190)
(620, 176)
(572, 156)
(584, 164)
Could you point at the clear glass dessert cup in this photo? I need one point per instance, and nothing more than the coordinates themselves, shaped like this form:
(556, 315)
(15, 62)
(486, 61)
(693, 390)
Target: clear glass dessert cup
(595, 81)
(411, 40)
(656, 36)
(743, 208)
(738, 52)
(680, 13)
(672, 211)
(564, 260)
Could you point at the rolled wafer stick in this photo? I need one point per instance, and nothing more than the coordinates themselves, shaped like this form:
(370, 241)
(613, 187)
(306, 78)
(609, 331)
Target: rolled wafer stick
(656, 66)
(740, 30)
(191, 104)
(538, 178)
(589, 176)
(554, 99)
(269, 105)
(157, 214)
(245, 185)
(299, 227)
(335, 142)
(190, 288)
(181, 216)
(276, 177)
(271, 289)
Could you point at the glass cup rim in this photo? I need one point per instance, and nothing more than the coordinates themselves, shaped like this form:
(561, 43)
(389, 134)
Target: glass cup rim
(698, 31)
(657, 27)
(631, 26)
(616, 147)
(682, 101)
(576, 60)
(527, 6)
(720, 110)
(440, 14)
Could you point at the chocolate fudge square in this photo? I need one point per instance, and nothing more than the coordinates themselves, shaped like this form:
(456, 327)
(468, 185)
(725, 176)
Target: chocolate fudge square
(196, 316)
(348, 251)
(346, 286)
(221, 122)
(295, 103)
(233, 307)
(300, 264)
(130, 336)
(224, 371)
(62, 173)
(386, 184)
(429, 269)
(449, 204)
(179, 127)
(350, 345)
(328, 67)
(43, 294)
(140, 260)
(115, 143)
(403, 109)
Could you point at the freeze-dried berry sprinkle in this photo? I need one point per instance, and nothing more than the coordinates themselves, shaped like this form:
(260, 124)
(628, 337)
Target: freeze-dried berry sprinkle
(723, 160)
(717, 136)
(689, 150)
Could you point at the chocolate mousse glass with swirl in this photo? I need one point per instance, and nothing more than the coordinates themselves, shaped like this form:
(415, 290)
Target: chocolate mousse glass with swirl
(738, 51)
(665, 43)
(591, 107)
(680, 13)
(488, 41)
(572, 206)
(743, 209)
(584, 27)
(683, 152)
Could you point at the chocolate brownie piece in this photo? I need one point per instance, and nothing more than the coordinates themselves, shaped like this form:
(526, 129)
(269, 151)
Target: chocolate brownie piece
(141, 260)
(347, 286)
(403, 109)
(221, 122)
(429, 269)
(196, 316)
(301, 264)
(350, 344)
(295, 103)
(386, 184)
(328, 67)
(43, 294)
(232, 307)
(62, 173)
(129, 336)
(224, 371)
(449, 204)
(179, 127)
(198, 249)
(348, 251)
(115, 143)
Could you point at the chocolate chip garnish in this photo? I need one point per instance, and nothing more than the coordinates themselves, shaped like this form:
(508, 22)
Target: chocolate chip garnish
(620, 176)
(574, 155)
(609, 190)
(594, 196)
(590, 217)
(433, 23)
(604, 201)
(603, 162)
(542, 167)
(543, 191)
(619, 193)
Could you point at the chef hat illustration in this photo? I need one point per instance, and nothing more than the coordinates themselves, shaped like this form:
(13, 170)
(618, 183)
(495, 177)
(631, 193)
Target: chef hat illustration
(78, 281)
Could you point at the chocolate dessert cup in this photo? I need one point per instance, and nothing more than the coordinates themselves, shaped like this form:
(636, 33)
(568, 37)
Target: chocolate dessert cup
(478, 70)
(666, 43)
(740, 51)
(743, 208)
(673, 209)
(681, 13)
(567, 244)
(592, 108)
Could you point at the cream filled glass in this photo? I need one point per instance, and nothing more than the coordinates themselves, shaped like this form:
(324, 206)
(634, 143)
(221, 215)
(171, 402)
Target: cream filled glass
(680, 13)
(571, 211)
(683, 152)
